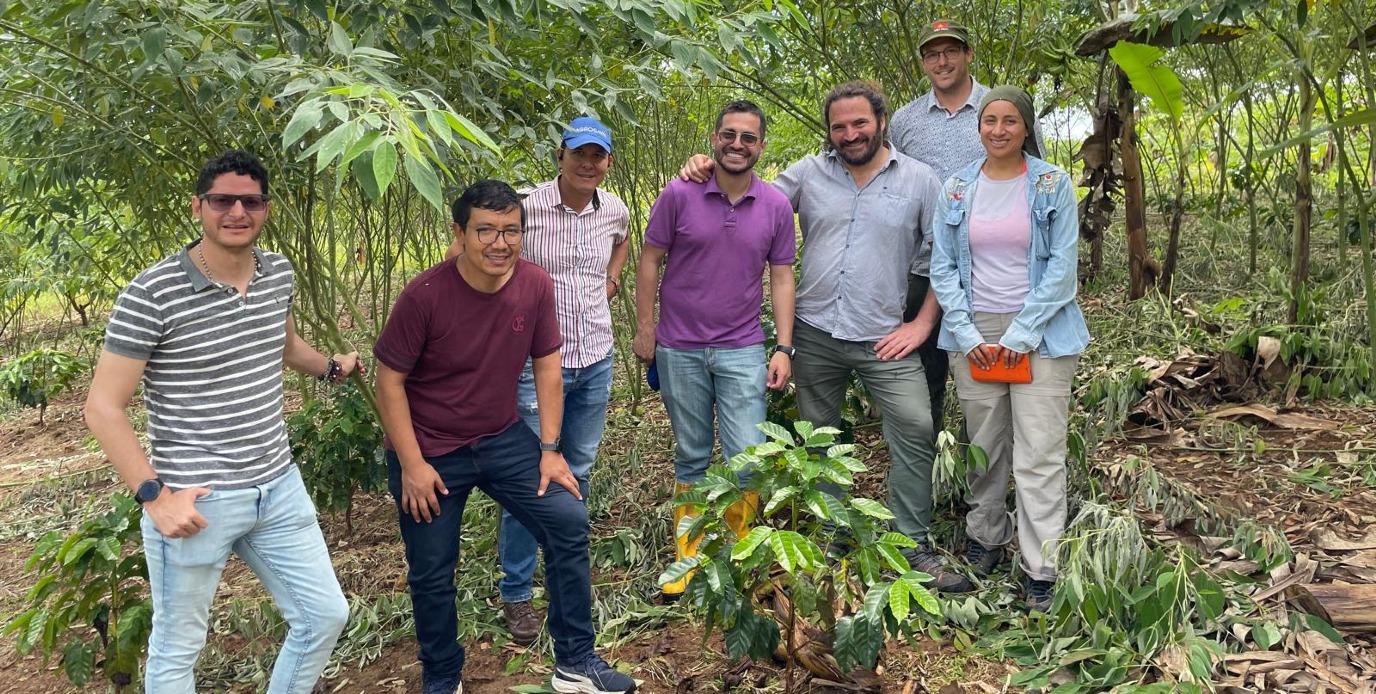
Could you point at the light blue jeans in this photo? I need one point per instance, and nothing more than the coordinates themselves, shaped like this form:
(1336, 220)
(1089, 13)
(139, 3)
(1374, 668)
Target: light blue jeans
(273, 528)
(695, 383)
(586, 391)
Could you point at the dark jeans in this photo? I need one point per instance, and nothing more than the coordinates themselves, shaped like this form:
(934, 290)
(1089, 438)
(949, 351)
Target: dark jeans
(934, 361)
(506, 466)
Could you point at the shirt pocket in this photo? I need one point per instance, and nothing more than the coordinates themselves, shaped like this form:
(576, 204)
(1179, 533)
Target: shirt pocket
(1041, 236)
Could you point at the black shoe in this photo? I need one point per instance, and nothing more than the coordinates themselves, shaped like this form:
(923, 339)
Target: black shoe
(1040, 594)
(983, 559)
(443, 686)
(922, 558)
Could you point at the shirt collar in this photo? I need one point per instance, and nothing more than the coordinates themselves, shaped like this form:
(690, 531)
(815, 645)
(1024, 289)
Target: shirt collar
(559, 197)
(750, 192)
(197, 276)
(977, 92)
(893, 156)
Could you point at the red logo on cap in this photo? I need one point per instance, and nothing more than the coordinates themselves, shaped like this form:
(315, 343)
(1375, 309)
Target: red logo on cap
(939, 25)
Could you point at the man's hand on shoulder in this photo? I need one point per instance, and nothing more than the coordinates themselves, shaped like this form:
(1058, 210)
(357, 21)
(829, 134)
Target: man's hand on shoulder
(553, 468)
(697, 169)
(174, 513)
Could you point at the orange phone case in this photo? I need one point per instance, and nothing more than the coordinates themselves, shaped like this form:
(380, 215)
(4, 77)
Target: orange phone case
(1020, 372)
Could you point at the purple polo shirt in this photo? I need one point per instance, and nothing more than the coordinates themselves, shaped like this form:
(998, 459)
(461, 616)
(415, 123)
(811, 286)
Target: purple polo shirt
(711, 292)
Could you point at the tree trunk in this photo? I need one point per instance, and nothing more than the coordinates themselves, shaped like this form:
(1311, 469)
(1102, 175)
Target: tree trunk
(1304, 202)
(1143, 270)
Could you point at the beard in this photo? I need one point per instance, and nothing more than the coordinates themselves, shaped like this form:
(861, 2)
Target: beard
(864, 156)
(720, 157)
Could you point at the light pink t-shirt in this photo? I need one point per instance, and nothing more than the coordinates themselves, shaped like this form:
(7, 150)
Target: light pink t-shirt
(1000, 236)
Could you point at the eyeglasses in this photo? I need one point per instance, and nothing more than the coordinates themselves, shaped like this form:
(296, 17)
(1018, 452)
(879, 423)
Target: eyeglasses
(224, 202)
(511, 236)
(950, 52)
(747, 139)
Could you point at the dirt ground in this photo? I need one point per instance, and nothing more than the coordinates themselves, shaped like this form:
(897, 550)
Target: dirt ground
(48, 466)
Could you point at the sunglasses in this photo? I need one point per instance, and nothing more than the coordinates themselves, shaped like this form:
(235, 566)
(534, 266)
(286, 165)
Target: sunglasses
(747, 139)
(224, 202)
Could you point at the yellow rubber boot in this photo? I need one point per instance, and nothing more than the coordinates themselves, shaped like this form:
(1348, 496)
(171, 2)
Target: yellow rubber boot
(684, 547)
(740, 516)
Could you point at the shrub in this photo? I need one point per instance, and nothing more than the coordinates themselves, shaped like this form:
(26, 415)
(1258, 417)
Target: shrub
(337, 443)
(33, 379)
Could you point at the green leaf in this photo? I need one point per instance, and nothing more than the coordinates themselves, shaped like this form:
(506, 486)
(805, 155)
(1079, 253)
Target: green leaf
(747, 545)
(470, 131)
(384, 165)
(424, 179)
(925, 599)
(339, 42)
(1266, 635)
(305, 117)
(776, 432)
(871, 508)
(1149, 77)
(898, 600)
(779, 498)
(794, 552)
(804, 429)
(815, 503)
(1362, 117)
(79, 661)
(154, 43)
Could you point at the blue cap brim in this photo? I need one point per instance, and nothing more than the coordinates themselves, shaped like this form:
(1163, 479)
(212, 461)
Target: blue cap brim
(587, 139)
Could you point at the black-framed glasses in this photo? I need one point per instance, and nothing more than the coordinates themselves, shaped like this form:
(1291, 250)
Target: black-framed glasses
(511, 236)
(951, 53)
(224, 202)
(747, 139)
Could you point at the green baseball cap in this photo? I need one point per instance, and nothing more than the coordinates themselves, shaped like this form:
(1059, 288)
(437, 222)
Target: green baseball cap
(946, 29)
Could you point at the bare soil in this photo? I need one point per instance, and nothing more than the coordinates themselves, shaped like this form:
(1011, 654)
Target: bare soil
(45, 467)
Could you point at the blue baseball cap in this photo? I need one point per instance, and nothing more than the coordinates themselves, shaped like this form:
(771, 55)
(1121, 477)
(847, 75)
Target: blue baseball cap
(585, 130)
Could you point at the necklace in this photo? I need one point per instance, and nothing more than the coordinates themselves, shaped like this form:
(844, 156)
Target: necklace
(206, 266)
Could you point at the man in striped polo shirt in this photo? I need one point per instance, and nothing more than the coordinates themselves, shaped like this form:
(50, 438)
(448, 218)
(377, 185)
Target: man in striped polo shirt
(577, 233)
(208, 332)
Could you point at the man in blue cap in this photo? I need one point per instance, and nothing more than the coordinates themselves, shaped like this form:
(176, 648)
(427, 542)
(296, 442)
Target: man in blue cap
(577, 233)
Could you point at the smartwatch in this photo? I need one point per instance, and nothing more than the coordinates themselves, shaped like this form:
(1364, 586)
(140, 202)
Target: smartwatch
(786, 350)
(148, 491)
(550, 447)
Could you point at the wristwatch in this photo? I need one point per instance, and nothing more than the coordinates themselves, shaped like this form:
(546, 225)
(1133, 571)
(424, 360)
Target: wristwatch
(148, 491)
(552, 447)
(786, 350)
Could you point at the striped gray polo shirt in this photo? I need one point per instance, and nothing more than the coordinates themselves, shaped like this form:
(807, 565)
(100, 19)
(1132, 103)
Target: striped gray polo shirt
(213, 381)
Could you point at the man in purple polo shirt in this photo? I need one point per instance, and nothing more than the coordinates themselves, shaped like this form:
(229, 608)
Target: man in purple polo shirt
(715, 240)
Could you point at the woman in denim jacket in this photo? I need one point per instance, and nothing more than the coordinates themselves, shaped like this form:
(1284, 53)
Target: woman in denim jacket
(1003, 269)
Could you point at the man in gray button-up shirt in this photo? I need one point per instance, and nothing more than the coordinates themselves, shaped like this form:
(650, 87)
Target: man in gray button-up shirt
(866, 215)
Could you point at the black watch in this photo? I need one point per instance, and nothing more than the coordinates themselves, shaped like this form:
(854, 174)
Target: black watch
(786, 350)
(550, 447)
(148, 491)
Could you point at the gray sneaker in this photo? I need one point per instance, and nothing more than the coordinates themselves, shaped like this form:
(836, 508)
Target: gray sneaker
(1040, 594)
(922, 558)
(983, 559)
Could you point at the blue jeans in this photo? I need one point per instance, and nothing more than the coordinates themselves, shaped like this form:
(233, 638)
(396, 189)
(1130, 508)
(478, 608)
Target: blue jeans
(505, 466)
(586, 391)
(273, 528)
(694, 383)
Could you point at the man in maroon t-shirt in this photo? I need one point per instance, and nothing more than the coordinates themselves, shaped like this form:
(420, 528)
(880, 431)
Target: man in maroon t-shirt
(448, 362)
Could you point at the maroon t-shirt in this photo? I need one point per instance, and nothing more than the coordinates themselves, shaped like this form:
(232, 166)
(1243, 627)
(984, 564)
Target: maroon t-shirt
(462, 351)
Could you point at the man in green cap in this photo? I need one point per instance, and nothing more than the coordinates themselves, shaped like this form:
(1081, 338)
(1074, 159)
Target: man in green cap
(941, 129)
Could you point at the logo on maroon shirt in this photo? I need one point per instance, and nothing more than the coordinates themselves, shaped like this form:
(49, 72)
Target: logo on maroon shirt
(518, 324)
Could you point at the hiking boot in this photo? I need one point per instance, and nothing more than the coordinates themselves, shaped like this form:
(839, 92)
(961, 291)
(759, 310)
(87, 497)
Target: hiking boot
(1040, 594)
(983, 559)
(922, 558)
(523, 621)
(447, 685)
(592, 676)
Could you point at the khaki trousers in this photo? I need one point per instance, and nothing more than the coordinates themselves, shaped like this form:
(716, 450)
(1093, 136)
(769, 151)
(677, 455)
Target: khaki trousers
(1022, 429)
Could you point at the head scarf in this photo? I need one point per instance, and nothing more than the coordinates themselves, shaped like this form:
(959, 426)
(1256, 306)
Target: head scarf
(1023, 101)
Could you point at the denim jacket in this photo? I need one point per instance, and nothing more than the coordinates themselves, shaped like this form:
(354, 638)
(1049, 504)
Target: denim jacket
(1050, 320)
